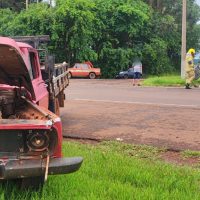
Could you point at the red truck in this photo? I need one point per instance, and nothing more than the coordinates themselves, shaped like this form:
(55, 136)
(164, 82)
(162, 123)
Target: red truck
(85, 70)
(30, 131)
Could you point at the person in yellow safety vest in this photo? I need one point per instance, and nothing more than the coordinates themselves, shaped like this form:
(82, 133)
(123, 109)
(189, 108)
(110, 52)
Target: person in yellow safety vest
(189, 68)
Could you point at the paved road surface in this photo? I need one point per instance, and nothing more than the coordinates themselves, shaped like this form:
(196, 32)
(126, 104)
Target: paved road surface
(110, 109)
(123, 91)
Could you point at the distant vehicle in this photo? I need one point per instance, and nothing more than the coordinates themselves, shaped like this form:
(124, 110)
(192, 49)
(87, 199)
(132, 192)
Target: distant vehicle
(197, 65)
(136, 67)
(197, 59)
(85, 70)
(126, 74)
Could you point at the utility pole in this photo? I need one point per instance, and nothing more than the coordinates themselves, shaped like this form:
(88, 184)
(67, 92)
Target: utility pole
(183, 48)
(26, 4)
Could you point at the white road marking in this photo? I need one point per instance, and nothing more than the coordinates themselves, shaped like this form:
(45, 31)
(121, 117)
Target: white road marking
(140, 103)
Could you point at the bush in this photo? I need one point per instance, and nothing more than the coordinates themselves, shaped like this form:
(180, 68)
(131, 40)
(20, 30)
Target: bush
(155, 58)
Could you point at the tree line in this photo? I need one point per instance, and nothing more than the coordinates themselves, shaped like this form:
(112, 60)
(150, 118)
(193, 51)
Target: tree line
(109, 33)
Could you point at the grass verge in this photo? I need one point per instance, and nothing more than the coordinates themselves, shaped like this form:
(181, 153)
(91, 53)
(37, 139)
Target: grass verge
(170, 80)
(191, 154)
(113, 170)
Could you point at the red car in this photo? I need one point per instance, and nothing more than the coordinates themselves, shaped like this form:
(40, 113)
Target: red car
(30, 133)
(85, 70)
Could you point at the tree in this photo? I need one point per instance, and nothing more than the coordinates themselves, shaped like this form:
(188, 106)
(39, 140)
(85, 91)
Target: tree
(155, 57)
(110, 33)
(156, 4)
(73, 30)
(27, 22)
(6, 19)
(120, 39)
(15, 5)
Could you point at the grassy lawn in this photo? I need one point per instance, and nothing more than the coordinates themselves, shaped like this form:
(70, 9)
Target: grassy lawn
(170, 80)
(113, 170)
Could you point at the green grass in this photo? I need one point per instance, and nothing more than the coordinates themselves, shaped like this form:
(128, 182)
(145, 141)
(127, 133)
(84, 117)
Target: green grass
(170, 80)
(114, 170)
(191, 154)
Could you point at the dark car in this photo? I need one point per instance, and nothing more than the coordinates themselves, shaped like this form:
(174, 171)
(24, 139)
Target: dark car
(197, 66)
(197, 59)
(126, 74)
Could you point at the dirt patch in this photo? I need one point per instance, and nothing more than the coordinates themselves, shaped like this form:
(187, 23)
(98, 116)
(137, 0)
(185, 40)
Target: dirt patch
(151, 125)
(178, 159)
(82, 141)
(134, 124)
(168, 156)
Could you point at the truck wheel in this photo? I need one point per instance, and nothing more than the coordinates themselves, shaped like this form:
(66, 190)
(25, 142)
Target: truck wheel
(69, 75)
(92, 75)
(57, 107)
(31, 182)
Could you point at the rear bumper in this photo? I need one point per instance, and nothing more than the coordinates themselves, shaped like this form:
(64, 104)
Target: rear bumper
(29, 168)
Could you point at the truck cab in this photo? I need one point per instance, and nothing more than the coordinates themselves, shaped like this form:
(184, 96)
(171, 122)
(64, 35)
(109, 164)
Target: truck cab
(40, 93)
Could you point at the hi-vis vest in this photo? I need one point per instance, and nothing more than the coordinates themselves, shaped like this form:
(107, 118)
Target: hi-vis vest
(189, 63)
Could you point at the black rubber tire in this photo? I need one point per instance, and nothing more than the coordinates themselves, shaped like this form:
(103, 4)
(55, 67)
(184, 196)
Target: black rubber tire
(125, 76)
(92, 75)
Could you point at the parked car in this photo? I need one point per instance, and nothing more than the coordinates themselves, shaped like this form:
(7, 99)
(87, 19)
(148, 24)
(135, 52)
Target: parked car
(136, 67)
(197, 58)
(126, 74)
(197, 65)
(85, 70)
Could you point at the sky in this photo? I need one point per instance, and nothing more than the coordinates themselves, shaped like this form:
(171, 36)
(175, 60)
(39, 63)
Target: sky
(53, 2)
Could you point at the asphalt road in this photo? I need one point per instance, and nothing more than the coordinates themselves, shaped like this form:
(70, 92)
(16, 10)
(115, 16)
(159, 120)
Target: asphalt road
(114, 109)
(123, 91)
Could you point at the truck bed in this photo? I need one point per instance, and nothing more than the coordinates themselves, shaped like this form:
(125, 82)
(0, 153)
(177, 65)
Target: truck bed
(60, 78)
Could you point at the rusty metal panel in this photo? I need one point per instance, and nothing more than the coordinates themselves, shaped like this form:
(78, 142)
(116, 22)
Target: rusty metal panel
(24, 124)
(34, 41)
(11, 141)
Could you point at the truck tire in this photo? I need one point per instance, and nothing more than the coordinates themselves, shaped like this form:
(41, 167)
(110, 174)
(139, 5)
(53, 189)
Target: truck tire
(92, 75)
